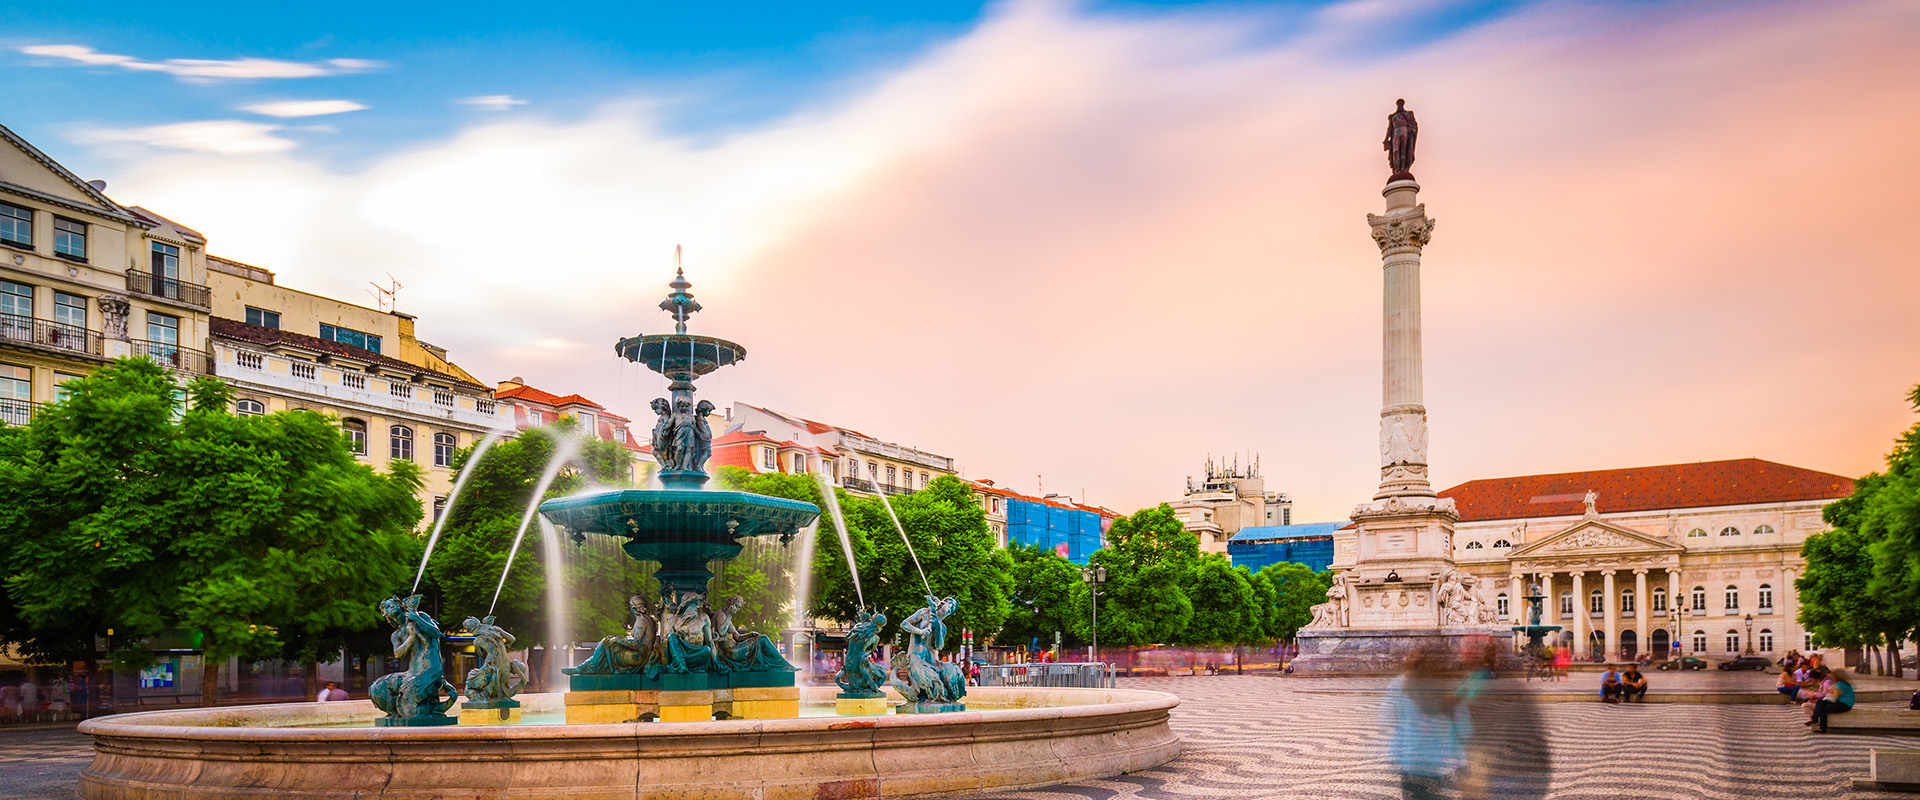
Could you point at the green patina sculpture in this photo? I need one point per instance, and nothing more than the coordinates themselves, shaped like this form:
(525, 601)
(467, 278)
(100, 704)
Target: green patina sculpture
(737, 650)
(499, 677)
(631, 653)
(421, 695)
(926, 682)
(859, 677)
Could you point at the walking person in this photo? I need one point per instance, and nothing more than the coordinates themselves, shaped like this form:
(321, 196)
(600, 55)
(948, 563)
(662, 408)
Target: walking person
(331, 693)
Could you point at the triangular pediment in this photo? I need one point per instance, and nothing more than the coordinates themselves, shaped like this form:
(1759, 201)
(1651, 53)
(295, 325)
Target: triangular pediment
(26, 171)
(1596, 536)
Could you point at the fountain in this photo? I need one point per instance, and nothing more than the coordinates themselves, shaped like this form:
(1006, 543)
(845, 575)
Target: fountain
(1535, 632)
(681, 704)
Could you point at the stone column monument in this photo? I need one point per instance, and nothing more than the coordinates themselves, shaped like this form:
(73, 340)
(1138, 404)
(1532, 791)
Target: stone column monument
(1397, 587)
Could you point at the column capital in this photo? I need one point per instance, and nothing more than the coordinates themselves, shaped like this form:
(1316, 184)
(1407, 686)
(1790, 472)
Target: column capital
(1608, 572)
(1640, 571)
(1405, 231)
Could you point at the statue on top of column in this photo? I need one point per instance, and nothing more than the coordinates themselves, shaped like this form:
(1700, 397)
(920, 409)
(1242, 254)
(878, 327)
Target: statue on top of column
(1401, 132)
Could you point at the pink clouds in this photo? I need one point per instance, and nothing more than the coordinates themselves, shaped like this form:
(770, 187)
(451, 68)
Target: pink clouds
(1098, 247)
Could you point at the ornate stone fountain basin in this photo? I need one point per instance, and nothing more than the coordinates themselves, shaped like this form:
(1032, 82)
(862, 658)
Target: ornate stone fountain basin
(1010, 738)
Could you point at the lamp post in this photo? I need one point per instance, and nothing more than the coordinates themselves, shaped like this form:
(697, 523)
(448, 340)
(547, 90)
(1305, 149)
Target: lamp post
(1094, 577)
(1749, 634)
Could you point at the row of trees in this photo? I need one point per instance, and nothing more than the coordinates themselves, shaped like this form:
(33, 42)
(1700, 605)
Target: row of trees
(1861, 587)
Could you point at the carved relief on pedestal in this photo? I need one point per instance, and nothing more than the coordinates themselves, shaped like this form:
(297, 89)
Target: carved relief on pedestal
(1394, 231)
(1403, 505)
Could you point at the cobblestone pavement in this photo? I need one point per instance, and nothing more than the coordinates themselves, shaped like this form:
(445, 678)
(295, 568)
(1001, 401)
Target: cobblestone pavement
(1253, 737)
(42, 763)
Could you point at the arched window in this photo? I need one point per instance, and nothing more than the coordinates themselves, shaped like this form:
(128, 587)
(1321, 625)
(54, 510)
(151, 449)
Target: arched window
(1499, 544)
(1659, 598)
(1763, 530)
(249, 408)
(1764, 598)
(1500, 604)
(1733, 641)
(1596, 602)
(1699, 598)
(400, 442)
(356, 431)
(1696, 533)
(443, 445)
(1473, 545)
(1566, 603)
(1729, 531)
(1626, 601)
(1766, 640)
(1733, 599)
(1699, 642)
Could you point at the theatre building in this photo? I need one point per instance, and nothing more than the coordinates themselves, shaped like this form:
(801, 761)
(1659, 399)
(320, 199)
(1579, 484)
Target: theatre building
(1701, 556)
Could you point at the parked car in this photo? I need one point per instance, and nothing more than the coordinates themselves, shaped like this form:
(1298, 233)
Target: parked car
(1688, 662)
(1756, 663)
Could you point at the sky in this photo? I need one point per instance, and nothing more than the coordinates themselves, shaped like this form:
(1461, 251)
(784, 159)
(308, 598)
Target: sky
(1079, 247)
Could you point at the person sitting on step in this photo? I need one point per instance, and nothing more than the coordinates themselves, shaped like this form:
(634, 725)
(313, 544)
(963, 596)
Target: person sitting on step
(1610, 686)
(1633, 685)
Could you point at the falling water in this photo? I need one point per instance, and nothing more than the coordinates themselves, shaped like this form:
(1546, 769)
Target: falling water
(562, 453)
(903, 537)
(803, 593)
(559, 605)
(840, 525)
(447, 513)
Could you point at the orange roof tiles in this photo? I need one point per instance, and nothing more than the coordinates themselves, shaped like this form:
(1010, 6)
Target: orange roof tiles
(1743, 481)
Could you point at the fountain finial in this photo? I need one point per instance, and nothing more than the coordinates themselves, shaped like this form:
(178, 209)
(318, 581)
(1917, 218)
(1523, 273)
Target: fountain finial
(679, 301)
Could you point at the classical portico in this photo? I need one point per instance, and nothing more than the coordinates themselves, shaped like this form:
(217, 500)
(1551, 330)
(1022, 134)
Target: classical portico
(1595, 554)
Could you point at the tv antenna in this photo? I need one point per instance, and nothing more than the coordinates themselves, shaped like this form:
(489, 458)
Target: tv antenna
(383, 295)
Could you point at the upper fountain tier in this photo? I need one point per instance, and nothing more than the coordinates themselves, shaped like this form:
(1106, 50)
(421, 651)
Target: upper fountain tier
(680, 356)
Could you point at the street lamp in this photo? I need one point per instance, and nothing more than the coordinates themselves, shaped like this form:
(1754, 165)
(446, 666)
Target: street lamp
(1749, 634)
(1094, 577)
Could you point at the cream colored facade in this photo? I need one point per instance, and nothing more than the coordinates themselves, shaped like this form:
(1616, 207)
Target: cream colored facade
(1227, 499)
(851, 460)
(1611, 579)
(78, 284)
(407, 402)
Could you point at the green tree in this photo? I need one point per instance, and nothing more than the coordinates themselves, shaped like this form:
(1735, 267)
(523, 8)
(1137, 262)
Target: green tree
(130, 510)
(484, 519)
(1043, 600)
(1296, 590)
(1223, 603)
(763, 574)
(1149, 557)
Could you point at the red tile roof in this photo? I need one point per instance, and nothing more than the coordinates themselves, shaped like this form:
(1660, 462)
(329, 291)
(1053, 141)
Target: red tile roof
(268, 337)
(1742, 481)
(533, 395)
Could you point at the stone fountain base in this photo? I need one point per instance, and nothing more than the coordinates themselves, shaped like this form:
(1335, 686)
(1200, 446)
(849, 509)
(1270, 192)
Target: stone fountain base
(490, 712)
(1011, 738)
(695, 697)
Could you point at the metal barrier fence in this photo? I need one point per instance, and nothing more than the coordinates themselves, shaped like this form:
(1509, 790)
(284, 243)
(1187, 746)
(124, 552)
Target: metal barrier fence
(1075, 675)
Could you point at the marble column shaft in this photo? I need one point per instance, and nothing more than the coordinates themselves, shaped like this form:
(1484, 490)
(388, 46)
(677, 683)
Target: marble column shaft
(1609, 613)
(1401, 233)
(1580, 619)
(1641, 600)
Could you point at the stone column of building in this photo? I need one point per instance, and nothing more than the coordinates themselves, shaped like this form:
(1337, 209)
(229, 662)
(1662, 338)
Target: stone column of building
(1580, 619)
(1550, 607)
(1790, 636)
(1673, 605)
(1517, 599)
(1609, 613)
(1641, 601)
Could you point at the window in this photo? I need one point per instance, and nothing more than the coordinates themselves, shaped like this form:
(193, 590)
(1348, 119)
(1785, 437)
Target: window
(1500, 604)
(356, 432)
(439, 506)
(350, 337)
(249, 408)
(70, 239)
(1699, 641)
(1766, 640)
(1596, 602)
(70, 310)
(1763, 530)
(61, 387)
(1696, 533)
(995, 505)
(1626, 601)
(1733, 641)
(1764, 599)
(799, 464)
(1809, 645)
(1733, 599)
(1473, 546)
(166, 261)
(443, 444)
(923, 480)
(619, 434)
(263, 317)
(767, 458)
(16, 225)
(1566, 603)
(163, 328)
(892, 475)
(16, 390)
(1659, 598)
(1501, 544)
(400, 442)
(1700, 598)
(16, 299)
(873, 471)
(1729, 531)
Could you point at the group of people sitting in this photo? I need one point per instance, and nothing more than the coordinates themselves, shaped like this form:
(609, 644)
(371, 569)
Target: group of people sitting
(1623, 686)
(1818, 689)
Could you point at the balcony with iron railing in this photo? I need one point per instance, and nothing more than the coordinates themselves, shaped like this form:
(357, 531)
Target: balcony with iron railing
(174, 289)
(855, 485)
(16, 329)
(17, 412)
(183, 359)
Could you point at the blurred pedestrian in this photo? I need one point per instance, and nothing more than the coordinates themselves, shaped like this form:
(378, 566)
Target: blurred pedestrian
(331, 693)
(1426, 729)
(1508, 755)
